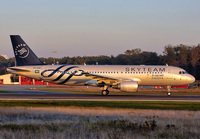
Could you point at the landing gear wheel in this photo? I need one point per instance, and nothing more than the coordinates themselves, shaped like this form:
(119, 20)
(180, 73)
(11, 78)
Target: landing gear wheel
(104, 92)
(169, 90)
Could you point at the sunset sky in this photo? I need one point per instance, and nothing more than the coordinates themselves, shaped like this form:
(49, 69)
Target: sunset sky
(98, 27)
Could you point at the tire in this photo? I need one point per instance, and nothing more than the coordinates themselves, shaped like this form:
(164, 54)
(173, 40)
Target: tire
(104, 92)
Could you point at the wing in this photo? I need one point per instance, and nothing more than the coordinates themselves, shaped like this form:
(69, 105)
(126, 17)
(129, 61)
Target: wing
(104, 79)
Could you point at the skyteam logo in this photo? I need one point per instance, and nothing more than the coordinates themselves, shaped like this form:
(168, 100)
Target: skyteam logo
(21, 51)
(61, 73)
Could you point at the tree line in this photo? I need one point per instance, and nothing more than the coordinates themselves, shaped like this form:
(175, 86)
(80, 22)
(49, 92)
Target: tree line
(184, 56)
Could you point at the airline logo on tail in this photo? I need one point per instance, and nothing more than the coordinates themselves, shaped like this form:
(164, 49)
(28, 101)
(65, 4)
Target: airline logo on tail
(22, 51)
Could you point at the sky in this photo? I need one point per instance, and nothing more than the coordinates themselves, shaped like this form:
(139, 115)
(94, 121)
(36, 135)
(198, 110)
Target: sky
(98, 27)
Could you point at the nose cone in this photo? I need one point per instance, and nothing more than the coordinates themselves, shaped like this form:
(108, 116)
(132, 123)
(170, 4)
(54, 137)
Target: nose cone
(191, 79)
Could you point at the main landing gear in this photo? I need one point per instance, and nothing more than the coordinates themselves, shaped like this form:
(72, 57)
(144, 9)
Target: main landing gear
(105, 91)
(168, 90)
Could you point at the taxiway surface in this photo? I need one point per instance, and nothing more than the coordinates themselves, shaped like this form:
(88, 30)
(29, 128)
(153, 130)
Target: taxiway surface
(98, 97)
(23, 94)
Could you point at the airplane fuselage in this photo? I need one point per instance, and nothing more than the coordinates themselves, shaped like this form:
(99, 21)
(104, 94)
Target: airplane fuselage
(73, 74)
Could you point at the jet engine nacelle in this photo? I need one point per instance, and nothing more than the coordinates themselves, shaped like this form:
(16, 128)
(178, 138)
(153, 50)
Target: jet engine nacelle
(127, 86)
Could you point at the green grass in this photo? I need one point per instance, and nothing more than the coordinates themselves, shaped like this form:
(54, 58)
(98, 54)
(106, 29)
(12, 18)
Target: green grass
(6, 92)
(160, 105)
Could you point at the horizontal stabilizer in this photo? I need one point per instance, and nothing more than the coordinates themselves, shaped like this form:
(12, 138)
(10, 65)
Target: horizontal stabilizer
(14, 69)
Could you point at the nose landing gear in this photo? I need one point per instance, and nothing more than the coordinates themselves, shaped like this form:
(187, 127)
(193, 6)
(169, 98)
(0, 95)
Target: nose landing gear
(168, 90)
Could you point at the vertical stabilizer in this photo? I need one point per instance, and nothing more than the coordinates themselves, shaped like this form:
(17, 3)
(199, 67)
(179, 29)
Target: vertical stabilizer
(23, 54)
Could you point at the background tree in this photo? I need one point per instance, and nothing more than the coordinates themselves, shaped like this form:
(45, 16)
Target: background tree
(184, 56)
(169, 55)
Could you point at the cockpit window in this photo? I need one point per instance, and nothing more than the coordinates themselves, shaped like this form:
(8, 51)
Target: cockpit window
(183, 72)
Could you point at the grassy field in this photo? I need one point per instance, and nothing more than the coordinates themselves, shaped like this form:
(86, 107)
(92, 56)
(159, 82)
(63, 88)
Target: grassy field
(158, 105)
(27, 122)
(101, 119)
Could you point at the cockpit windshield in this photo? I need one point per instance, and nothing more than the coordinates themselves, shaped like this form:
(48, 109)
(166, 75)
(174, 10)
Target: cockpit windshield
(183, 72)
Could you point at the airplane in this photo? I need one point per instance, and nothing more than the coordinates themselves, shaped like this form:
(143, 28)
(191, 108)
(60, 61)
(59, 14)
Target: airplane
(126, 78)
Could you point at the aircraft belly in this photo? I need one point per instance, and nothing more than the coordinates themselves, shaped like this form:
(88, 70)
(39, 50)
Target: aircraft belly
(163, 82)
(152, 82)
